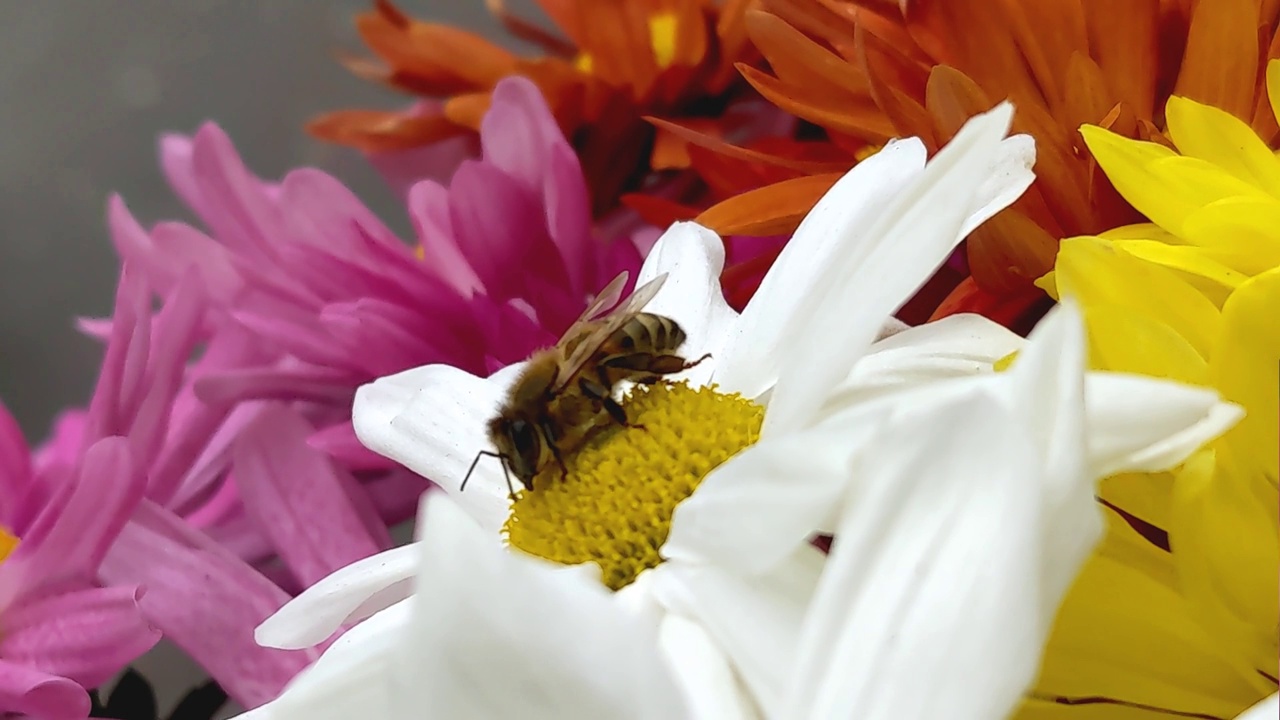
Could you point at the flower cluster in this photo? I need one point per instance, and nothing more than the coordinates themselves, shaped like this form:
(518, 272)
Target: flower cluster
(953, 392)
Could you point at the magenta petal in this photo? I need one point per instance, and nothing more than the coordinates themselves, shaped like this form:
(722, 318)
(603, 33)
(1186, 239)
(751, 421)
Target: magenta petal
(25, 691)
(235, 203)
(15, 464)
(340, 443)
(121, 379)
(401, 169)
(299, 499)
(318, 384)
(72, 534)
(322, 212)
(569, 217)
(518, 130)
(206, 601)
(87, 635)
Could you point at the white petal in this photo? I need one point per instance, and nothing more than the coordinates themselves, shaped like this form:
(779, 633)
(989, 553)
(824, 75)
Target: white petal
(497, 634)
(765, 502)
(1141, 424)
(837, 224)
(1008, 177)
(351, 679)
(864, 285)
(348, 595)
(693, 257)
(432, 420)
(956, 346)
(930, 606)
(711, 688)
(756, 620)
(1264, 710)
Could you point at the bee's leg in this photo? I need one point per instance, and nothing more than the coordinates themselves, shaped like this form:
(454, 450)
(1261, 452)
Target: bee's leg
(699, 361)
(555, 451)
(600, 393)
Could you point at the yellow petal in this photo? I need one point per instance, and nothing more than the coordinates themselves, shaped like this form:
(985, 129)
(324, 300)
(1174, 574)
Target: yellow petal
(1142, 231)
(1125, 633)
(1091, 270)
(1241, 232)
(1194, 265)
(1245, 368)
(1205, 132)
(1273, 87)
(1159, 183)
(1223, 534)
(1146, 496)
(1123, 340)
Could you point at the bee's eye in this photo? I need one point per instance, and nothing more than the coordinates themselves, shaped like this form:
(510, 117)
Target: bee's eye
(522, 437)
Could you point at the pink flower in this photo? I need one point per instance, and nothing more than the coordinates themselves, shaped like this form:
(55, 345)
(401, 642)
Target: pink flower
(505, 259)
(201, 594)
(60, 631)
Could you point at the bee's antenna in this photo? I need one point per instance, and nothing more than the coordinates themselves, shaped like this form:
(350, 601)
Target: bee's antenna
(501, 458)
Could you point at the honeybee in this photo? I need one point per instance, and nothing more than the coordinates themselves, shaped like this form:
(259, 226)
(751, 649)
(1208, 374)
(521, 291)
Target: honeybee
(564, 396)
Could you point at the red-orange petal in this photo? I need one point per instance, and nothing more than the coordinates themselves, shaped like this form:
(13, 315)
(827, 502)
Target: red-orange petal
(378, 131)
(1221, 62)
(771, 210)
(1124, 38)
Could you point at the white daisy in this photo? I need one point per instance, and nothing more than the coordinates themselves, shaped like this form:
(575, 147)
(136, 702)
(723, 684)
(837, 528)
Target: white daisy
(914, 473)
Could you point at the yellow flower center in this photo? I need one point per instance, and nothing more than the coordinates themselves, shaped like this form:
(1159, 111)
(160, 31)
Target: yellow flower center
(8, 543)
(614, 507)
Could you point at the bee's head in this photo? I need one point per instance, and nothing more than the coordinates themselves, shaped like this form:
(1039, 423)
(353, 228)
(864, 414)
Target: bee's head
(520, 446)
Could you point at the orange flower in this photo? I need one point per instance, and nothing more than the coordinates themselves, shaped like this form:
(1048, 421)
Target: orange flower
(619, 61)
(869, 70)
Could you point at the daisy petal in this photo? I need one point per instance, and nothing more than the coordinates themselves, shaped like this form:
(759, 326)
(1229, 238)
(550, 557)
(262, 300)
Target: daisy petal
(1264, 709)
(838, 223)
(753, 620)
(956, 346)
(351, 594)
(854, 294)
(693, 257)
(704, 673)
(431, 420)
(934, 575)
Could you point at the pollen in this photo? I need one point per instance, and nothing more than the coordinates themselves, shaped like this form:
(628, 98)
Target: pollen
(8, 543)
(663, 29)
(614, 505)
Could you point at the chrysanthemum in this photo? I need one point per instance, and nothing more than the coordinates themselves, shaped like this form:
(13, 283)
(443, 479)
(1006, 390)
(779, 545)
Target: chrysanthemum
(331, 299)
(869, 70)
(962, 506)
(61, 632)
(1191, 296)
(191, 526)
(617, 62)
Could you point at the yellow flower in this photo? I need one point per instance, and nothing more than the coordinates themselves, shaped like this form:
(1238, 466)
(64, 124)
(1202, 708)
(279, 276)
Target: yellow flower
(1177, 613)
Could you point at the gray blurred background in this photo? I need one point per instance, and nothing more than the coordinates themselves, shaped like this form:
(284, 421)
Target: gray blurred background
(85, 89)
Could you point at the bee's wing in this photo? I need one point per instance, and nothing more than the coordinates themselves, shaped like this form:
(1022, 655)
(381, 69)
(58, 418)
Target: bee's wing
(606, 327)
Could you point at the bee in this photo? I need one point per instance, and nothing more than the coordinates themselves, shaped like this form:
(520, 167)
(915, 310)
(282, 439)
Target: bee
(564, 396)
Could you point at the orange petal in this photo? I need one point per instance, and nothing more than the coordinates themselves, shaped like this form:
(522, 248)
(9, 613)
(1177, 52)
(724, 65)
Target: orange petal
(772, 210)
(438, 53)
(1010, 311)
(1086, 95)
(1125, 38)
(467, 110)
(686, 131)
(951, 98)
(811, 18)
(1009, 251)
(797, 60)
(530, 32)
(376, 131)
(1048, 52)
(976, 37)
(862, 119)
(895, 83)
(1220, 67)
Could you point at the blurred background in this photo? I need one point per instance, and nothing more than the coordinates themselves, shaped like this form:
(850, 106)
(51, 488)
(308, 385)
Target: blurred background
(86, 88)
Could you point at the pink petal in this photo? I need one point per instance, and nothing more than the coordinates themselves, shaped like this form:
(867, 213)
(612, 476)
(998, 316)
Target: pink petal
(175, 160)
(322, 213)
(72, 534)
(340, 443)
(236, 206)
(206, 601)
(568, 208)
(518, 131)
(402, 169)
(316, 384)
(183, 248)
(87, 635)
(300, 501)
(120, 380)
(429, 211)
(26, 691)
(15, 464)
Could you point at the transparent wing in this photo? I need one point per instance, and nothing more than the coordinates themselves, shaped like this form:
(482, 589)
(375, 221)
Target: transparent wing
(604, 328)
